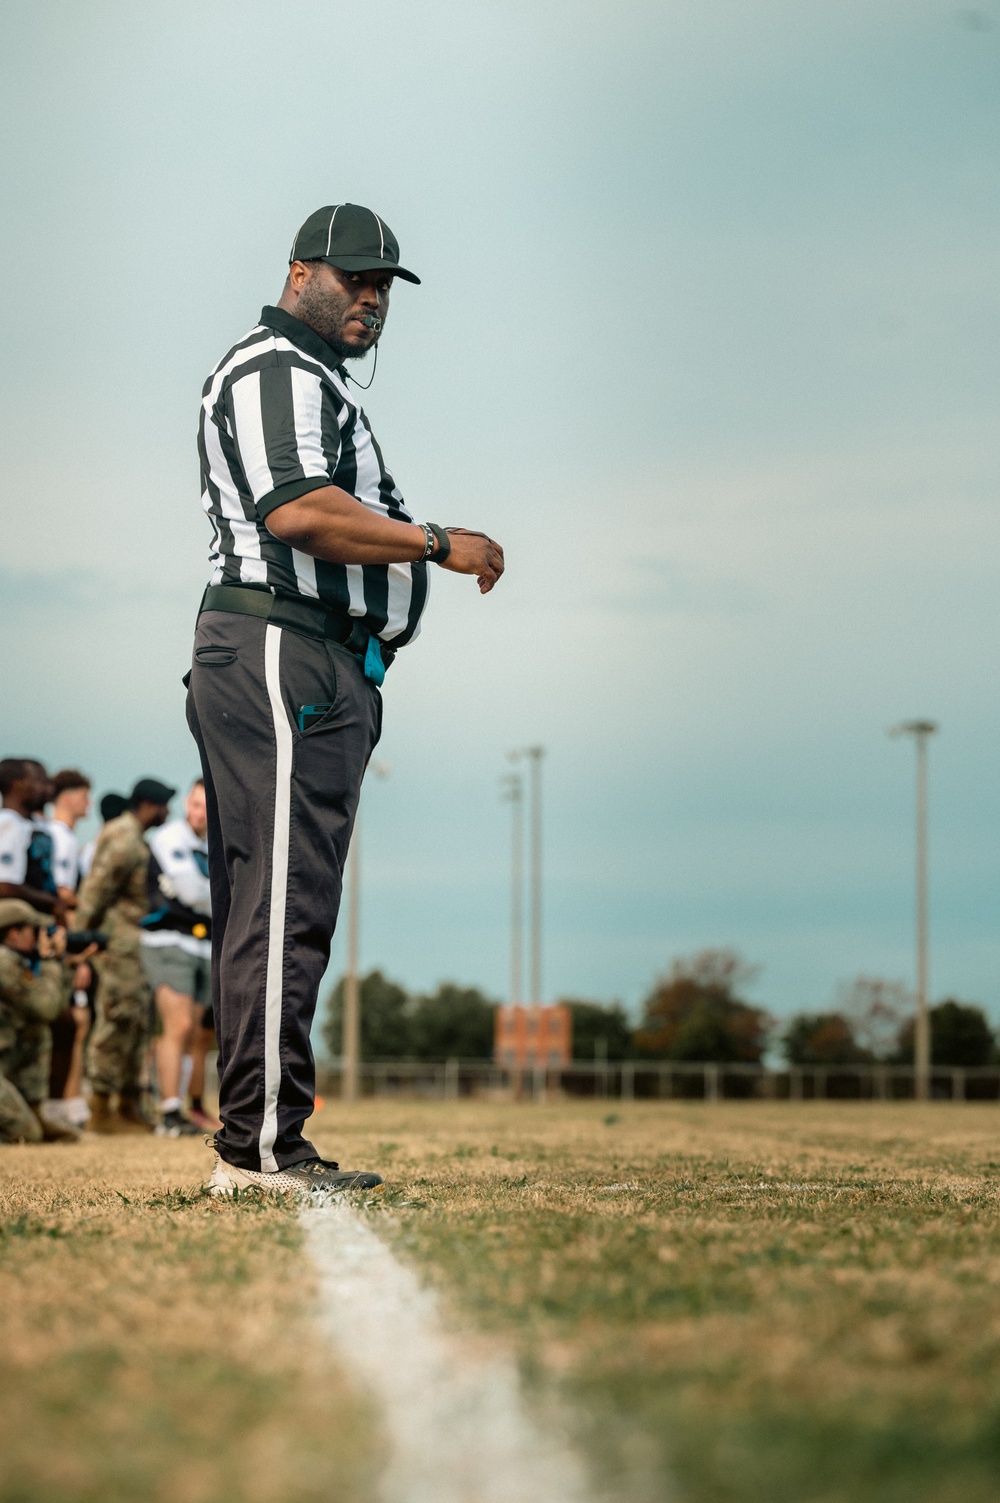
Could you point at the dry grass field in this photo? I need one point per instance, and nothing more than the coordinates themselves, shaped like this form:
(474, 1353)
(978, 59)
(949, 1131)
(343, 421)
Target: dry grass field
(734, 1303)
(158, 1345)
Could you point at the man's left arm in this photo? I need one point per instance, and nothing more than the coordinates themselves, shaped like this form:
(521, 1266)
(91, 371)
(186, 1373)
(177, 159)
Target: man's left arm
(332, 524)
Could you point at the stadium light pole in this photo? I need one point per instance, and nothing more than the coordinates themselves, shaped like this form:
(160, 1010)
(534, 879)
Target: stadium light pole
(920, 730)
(513, 793)
(350, 1046)
(535, 755)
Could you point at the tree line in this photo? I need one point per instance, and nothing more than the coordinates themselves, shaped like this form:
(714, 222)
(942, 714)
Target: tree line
(695, 1012)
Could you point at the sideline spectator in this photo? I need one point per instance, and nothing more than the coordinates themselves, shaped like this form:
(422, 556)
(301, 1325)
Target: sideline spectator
(113, 898)
(70, 804)
(24, 785)
(40, 873)
(177, 947)
(34, 985)
(111, 805)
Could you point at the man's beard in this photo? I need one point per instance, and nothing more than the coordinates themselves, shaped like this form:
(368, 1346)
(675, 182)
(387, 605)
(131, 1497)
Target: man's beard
(325, 313)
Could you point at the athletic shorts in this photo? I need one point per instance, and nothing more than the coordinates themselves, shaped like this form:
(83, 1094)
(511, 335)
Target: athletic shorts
(169, 965)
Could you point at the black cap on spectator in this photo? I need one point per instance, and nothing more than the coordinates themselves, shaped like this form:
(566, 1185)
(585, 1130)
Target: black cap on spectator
(150, 791)
(113, 804)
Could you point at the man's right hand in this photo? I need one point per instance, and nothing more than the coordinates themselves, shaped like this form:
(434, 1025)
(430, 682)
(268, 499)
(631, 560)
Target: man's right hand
(474, 553)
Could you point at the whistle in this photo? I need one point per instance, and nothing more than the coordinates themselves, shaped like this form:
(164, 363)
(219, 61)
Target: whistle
(371, 322)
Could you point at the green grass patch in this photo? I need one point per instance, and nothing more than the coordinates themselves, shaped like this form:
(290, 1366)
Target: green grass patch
(787, 1304)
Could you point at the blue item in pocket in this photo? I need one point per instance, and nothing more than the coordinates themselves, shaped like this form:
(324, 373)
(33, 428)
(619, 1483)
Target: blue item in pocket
(309, 714)
(374, 666)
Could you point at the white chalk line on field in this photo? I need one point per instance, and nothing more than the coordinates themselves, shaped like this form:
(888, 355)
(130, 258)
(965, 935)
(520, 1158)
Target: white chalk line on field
(457, 1429)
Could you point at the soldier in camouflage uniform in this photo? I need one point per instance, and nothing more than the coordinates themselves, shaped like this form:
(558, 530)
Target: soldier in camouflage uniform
(34, 989)
(113, 898)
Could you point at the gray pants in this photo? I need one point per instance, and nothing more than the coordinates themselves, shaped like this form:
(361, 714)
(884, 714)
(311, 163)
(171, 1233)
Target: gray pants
(281, 807)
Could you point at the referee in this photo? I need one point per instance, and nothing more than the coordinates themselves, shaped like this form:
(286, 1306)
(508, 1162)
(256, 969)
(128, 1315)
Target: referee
(319, 575)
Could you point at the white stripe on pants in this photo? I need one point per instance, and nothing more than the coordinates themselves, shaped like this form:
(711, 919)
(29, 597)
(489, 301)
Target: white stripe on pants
(279, 894)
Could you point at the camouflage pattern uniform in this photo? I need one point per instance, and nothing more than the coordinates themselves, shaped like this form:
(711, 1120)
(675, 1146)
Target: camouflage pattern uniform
(29, 1000)
(113, 898)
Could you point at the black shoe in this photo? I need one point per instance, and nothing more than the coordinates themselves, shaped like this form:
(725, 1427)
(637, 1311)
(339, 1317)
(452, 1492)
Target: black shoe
(175, 1125)
(308, 1177)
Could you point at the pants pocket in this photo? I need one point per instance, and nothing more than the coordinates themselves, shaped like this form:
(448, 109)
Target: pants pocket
(215, 657)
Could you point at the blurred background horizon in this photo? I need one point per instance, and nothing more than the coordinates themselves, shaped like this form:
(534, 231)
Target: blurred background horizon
(707, 336)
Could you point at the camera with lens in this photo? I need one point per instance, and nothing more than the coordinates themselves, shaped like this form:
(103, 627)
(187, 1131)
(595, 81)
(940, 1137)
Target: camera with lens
(78, 940)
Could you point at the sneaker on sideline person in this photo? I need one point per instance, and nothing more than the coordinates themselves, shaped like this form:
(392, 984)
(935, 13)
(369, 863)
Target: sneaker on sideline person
(177, 948)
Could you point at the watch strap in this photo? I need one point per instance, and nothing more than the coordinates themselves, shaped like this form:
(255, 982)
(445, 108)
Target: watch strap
(443, 543)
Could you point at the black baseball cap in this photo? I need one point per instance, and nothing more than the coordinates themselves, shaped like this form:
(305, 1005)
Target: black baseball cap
(151, 791)
(352, 238)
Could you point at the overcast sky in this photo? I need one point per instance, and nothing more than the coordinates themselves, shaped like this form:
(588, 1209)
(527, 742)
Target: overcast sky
(708, 337)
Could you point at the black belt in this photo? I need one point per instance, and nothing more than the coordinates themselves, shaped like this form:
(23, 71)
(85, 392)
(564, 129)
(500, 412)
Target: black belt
(310, 618)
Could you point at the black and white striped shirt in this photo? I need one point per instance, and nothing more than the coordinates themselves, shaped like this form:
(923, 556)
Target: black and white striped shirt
(278, 420)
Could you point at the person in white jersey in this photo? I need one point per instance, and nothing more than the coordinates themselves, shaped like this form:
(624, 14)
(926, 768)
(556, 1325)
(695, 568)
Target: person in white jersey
(24, 787)
(177, 947)
(70, 804)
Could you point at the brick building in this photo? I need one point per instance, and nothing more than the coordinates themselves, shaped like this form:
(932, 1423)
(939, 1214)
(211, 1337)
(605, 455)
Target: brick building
(527, 1038)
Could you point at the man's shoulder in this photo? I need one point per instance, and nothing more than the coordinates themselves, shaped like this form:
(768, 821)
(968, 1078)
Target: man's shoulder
(121, 837)
(170, 839)
(263, 349)
(15, 838)
(253, 344)
(170, 831)
(267, 349)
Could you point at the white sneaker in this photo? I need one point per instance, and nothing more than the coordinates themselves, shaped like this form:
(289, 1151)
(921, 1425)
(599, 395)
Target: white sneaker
(76, 1110)
(54, 1114)
(301, 1179)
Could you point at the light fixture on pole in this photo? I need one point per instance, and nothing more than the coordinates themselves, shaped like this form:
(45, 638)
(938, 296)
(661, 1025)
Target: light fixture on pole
(350, 1046)
(920, 730)
(512, 785)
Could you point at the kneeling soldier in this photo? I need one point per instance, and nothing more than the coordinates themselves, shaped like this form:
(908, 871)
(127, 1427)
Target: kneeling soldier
(34, 989)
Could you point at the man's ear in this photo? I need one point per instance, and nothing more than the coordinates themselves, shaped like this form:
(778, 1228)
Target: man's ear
(299, 274)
